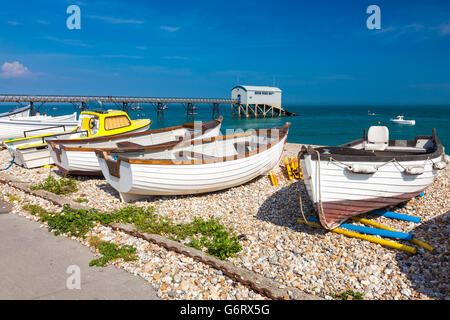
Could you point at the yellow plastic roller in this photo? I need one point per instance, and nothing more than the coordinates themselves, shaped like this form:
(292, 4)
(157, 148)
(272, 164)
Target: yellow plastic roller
(273, 178)
(387, 243)
(289, 170)
(382, 226)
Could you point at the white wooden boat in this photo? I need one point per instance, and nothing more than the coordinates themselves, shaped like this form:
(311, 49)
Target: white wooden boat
(402, 120)
(33, 155)
(369, 173)
(192, 167)
(77, 157)
(32, 152)
(18, 112)
(19, 127)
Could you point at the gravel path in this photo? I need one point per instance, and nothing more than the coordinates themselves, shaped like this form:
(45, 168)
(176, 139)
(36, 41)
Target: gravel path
(275, 245)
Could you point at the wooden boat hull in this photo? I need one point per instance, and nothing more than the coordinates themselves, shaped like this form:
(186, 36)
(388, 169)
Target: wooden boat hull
(19, 112)
(31, 152)
(83, 161)
(338, 193)
(134, 181)
(346, 194)
(13, 128)
(33, 158)
(35, 152)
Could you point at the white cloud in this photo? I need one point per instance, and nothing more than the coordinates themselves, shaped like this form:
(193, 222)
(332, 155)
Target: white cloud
(14, 70)
(121, 56)
(169, 29)
(71, 42)
(176, 58)
(14, 23)
(114, 20)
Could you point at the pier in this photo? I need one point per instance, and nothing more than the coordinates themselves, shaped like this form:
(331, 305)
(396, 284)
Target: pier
(159, 104)
(259, 110)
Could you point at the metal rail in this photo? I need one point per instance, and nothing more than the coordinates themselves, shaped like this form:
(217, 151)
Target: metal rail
(109, 99)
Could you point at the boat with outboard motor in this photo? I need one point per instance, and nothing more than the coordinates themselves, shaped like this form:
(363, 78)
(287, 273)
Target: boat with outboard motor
(402, 120)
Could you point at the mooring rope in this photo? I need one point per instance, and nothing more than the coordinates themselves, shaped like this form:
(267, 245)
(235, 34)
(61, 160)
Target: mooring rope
(321, 212)
(12, 161)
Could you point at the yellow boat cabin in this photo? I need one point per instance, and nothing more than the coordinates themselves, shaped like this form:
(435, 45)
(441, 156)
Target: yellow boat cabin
(110, 123)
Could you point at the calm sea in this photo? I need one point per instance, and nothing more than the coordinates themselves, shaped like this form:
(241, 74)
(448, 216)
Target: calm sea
(322, 125)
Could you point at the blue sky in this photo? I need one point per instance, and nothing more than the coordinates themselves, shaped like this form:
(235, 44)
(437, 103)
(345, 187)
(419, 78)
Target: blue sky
(318, 52)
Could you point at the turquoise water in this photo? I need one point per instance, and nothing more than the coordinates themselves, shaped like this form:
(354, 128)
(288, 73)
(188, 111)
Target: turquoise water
(323, 125)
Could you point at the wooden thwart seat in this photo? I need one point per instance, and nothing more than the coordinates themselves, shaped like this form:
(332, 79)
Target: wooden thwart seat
(406, 149)
(128, 144)
(196, 155)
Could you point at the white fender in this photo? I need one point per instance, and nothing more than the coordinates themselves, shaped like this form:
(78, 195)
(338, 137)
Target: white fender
(439, 165)
(359, 168)
(414, 170)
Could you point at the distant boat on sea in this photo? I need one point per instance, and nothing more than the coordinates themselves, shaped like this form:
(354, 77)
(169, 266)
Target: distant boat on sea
(401, 120)
(371, 113)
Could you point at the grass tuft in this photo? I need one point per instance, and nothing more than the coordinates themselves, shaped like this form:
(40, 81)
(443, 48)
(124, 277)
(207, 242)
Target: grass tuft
(208, 235)
(62, 186)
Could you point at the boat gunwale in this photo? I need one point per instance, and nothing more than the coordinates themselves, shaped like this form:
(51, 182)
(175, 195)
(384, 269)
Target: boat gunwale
(438, 151)
(15, 111)
(103, 154)
(64, 143)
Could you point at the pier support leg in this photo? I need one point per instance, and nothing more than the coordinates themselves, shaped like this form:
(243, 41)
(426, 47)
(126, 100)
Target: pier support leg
(190, 111)
(215, 111)
(160, 112)
(125, 107)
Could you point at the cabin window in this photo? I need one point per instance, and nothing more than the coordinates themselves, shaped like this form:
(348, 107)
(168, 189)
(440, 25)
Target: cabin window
(266, 93)
(117, 122)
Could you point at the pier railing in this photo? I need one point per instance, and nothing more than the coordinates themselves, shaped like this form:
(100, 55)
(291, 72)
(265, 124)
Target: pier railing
(237, 109)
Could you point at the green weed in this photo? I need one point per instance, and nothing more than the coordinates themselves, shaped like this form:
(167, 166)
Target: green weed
(62, 186)
(345, 295)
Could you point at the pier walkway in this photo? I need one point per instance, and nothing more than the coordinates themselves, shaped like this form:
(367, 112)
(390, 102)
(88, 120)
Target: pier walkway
(159, 103)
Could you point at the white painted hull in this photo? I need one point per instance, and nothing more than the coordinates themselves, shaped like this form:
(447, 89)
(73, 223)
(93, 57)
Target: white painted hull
(140, 180)
(33, 158)
(38, 156)
(13, 128)
(337, 183)
(85, 162)
(404, 122)
(20, 112)
(338, 194)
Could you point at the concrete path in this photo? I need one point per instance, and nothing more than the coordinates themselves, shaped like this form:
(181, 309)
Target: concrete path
(34, 265)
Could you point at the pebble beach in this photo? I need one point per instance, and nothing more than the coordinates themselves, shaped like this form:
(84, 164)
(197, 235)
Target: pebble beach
(274, 244)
